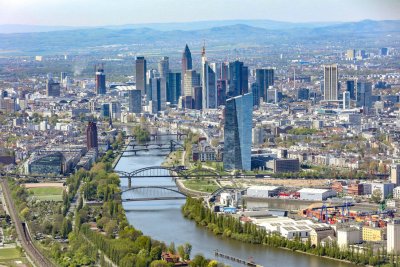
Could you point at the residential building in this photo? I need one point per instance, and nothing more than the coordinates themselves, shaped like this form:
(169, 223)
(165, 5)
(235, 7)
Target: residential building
(373, 234)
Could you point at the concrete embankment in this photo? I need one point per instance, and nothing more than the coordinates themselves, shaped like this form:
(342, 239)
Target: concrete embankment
(189, 192)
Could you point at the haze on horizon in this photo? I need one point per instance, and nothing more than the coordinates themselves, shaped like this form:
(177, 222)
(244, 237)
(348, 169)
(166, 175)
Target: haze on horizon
(119, 12)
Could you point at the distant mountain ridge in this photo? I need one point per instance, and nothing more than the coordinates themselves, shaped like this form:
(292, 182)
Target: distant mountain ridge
(71, 39)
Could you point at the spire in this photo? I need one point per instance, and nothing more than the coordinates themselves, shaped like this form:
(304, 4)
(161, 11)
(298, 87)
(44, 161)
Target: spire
(203, 52)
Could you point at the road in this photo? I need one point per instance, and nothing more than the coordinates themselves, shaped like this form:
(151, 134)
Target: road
(22, 231)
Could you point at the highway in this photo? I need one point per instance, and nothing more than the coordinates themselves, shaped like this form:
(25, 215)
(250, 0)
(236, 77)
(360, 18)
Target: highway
(22, 231)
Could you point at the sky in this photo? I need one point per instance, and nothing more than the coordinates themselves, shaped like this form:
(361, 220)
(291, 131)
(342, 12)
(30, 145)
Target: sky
(119, 12)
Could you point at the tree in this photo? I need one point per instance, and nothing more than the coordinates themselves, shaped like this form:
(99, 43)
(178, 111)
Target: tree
(376, 196)
(159, 263)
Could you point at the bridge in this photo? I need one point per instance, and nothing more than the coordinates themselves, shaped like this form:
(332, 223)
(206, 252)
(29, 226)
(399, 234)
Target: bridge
(155, 136)
(170, 147)
(150, 193)
(167, 172)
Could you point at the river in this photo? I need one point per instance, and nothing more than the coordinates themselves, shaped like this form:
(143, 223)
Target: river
(163, 220)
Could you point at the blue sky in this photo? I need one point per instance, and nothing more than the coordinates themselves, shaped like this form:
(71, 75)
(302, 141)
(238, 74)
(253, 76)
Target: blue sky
(117, 12)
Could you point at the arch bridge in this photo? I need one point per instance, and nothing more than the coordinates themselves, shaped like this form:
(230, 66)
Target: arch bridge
(151, 192)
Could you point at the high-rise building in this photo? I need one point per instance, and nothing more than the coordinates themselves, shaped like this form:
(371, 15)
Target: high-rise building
(331, 87)
(351, 54)
(91, 136)
(135, 101)
(384, 51)
(173, 87)
(364, 94)
(393, 237)
(52, 88)
(190, 80)
(256, 94)
(197, 97)
(115, 108)
(303, 94)
(237, 132)
(105, 110)
(186, 62)
(350, 87)
(264, 79)
(158, 94)
(346, 100)
(63, 77)
(238, 79)
(163, 67)
(221, 92)
(100, 81)
(141, 70)
(395, 174)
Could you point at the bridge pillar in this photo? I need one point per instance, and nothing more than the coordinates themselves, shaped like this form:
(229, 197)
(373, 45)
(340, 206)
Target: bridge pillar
(129, 182)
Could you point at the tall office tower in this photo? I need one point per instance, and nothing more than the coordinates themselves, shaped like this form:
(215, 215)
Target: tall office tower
(197, 97)
(163, 67)
(91, 136)
(237, 132)
(221, 92)
(303, 94)
(395, 174)
(346, 100)
(105, 110)
(393, 237)
(100, 81)
(52, 88)
(350, 87)
(238, 79)
(331, 82)
(158, 94)
(384, 51)
(186, 62)
(264, 79)
(364, 94)
(209, 83)
(115, 108)
(63, 77)
(224, 71)
(190, 80)
(272, 95)
(216, 67)
(256, 94)
(351, 54)
(174, 87)
(135, 101)
(141, 70)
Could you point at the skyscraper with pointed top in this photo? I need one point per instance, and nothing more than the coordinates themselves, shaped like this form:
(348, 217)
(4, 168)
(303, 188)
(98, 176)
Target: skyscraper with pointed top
(186, 62)
(208, 82)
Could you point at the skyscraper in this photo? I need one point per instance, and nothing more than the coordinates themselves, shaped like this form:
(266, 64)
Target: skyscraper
(237, 132)
(141, 70)
(91, 135)
(238, 79)
(186, 62)
(264, 79)
(197, 97)
(393, 237)
(163, 67)
(190, 80)
(52, 88)
(174, 87)
(135, 101)
(331, 82)
(364, 94)
(350, 87)
(256, 94)
(221, 92)
(346, 100)
(100, 81)
(158, 94)
(208, 83)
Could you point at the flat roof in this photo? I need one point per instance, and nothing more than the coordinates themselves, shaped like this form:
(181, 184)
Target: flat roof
(313, 190)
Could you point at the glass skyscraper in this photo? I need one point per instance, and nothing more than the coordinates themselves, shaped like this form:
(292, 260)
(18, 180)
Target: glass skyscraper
(237, 132)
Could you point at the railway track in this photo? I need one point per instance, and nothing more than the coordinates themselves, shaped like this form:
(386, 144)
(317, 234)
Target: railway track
(22, 231)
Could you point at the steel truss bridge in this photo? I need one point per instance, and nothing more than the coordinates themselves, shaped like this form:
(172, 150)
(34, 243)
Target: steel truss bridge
(168, 147)
(155, 136)
(151, 192)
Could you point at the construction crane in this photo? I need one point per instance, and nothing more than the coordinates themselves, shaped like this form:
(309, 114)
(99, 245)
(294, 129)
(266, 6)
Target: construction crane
(345, 208)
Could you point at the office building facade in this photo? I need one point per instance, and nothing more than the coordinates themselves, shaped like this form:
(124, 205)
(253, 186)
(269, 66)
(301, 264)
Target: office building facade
(237, 132)
(135, 101)
(91, 136)
(331, 87)
(264, 79)
(52, 88)
(238, 76)
(174, 87)
(141, 70)
(100, 81)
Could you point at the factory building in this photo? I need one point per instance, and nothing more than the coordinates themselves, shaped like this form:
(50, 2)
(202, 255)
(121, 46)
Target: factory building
(316, 194)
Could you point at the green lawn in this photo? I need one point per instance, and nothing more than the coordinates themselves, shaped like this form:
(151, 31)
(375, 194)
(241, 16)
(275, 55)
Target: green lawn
(48, 193)
(201, 185)
(9, 253)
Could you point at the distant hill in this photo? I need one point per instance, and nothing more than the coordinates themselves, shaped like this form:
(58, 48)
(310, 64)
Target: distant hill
(71, 39)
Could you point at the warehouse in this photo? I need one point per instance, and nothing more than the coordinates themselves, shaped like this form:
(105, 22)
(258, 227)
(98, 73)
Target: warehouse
(316, 194)
(263, 191)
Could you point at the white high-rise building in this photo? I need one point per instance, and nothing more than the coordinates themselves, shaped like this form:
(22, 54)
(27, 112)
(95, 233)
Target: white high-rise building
(331, 82)
(393, 236)
(395, 174)
(208, 83)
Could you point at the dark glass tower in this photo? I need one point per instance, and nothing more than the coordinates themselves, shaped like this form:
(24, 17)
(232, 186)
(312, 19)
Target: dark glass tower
(350, 87)
(264, 79)
(238, 79)
(237, 132)
(141, 69)
(91, 136)
(173, 87)
(100, 82)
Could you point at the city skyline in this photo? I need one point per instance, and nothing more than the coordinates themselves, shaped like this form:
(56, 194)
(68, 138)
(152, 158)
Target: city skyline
(86, 13)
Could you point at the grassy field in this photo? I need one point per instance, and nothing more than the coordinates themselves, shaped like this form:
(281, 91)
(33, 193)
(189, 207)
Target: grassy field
(201, 185)
(48, 193)
(9, 254)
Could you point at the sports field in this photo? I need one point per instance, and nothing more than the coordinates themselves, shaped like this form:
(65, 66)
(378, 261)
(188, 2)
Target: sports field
(47, 193)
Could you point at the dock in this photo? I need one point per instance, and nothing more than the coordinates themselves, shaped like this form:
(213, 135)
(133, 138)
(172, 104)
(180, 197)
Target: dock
(235, 259)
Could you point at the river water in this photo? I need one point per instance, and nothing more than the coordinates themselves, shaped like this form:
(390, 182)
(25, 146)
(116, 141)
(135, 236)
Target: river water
(163, 220)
